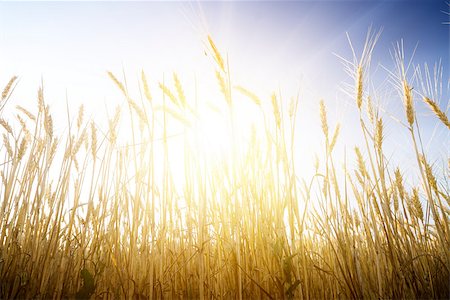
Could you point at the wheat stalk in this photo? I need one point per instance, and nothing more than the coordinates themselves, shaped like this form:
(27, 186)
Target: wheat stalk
(138, 110)
(80, 116)
(8, 87)
(179, 89)
(8, 146)
(93, 141)
(24, 128)
(113, 126)
(6, 126)
(22, 149)
(379, 134)
(26, 112)
(248, 94)
(168, 93)
(41, 105)
(359, 86)
(79, 142)
(323, 118)
(361, 164)
(408, 102)
(335, 136)
(276, 110)
(48, 122)
(223, 87)
(437, 111)
(217, 55)
(117, 83)
(147, 94)
(417, 206)
(399, 184)
(370, 110)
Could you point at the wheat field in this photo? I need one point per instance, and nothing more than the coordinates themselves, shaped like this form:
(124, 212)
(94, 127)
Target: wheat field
(117, 210)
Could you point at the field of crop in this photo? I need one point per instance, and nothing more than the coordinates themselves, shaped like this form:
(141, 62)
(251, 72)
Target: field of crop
(140, 208)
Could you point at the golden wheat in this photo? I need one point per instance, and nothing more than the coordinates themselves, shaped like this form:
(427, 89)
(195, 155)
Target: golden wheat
(147, 94)
(8, 87)
(408, 102)
(359, 86)
(217, 55)
(323, 118)
(179, 89)
(437, 111)
(111, 221)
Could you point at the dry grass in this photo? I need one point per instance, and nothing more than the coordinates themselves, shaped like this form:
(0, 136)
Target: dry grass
(106, 220)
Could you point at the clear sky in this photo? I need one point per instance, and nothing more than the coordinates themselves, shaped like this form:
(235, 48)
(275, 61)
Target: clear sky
(270, 45)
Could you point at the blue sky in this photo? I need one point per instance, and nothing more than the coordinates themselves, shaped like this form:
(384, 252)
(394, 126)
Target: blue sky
(270, 45)
(287, 37)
